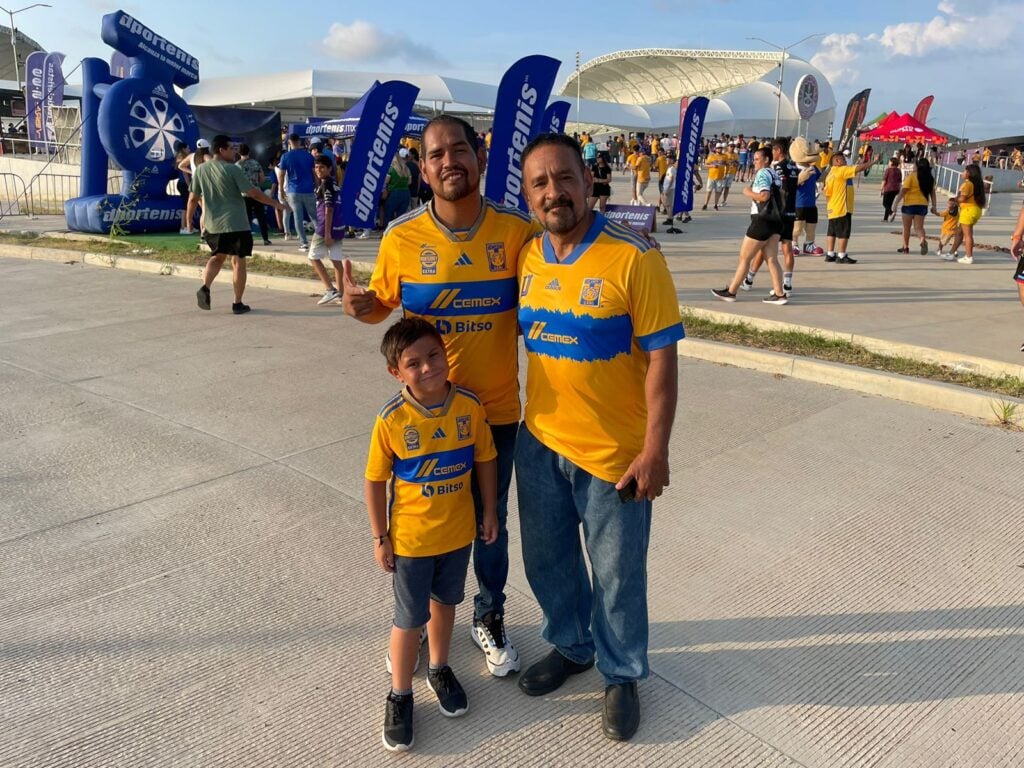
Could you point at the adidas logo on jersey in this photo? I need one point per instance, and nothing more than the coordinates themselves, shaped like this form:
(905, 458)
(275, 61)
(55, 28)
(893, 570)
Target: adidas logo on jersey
(439, 434)
(160, 91)
(463, 261)
(553, 285)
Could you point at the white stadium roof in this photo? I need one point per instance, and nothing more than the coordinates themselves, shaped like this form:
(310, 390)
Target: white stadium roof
(635, 90)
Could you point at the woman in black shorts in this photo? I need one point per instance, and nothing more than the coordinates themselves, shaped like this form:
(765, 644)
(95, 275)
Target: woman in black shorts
(602, 184)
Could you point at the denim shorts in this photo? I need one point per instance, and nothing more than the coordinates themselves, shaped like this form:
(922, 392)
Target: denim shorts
(914, 210)
(418, 580)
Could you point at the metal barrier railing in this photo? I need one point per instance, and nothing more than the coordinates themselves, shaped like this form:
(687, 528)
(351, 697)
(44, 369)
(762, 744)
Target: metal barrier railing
(12, 192)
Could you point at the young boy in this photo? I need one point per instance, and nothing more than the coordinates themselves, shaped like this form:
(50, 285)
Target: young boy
(425, 442)
(327, 235)
(950, 226)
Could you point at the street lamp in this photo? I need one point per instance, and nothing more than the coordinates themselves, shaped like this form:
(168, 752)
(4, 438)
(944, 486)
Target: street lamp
(782, 69)
(577, 91)
(14, 39)
(963, 131)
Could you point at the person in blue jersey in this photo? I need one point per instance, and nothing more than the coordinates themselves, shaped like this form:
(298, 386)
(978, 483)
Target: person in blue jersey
(295, 176)
(453, 262)
(600, 322)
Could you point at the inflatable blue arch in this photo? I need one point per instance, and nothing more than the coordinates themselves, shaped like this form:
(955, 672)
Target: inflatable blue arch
(135, 122)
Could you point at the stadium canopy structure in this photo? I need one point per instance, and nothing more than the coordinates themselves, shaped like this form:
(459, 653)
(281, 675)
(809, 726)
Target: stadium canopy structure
(740, 84)
(625, 91)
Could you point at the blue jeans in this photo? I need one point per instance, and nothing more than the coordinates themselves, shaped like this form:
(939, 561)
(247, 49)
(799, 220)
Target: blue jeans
(490, 561)
(301, 203)
(610, 617)
(396, 204)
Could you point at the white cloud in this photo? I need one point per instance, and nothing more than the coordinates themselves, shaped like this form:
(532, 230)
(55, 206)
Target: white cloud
(837, 56)
(983, 25)
(362, 41)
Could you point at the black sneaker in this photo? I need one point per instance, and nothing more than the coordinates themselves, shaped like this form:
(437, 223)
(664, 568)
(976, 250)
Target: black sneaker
(239, 308)
(846, 260)
(774, 298)
(203, 297)
(267, 242)
(397, 734)
(450, 695)
(687, 218)
(723, 294)
(829, 258)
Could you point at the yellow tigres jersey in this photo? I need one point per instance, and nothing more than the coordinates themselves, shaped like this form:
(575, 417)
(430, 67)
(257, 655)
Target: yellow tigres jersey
(716, 166)
(839, 190)
(733, 163)
(428, 455)
(587, 323)
(465, 284)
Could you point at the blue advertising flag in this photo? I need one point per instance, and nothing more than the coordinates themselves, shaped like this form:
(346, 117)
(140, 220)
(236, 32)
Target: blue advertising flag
(518, 117)
(689, 150)
(53, 96)
(380, 129)
(554, 117)
(35, 119)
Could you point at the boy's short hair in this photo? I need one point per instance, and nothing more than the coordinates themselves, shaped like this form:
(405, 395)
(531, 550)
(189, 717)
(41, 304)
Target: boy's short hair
(404, 334)
(322, 160)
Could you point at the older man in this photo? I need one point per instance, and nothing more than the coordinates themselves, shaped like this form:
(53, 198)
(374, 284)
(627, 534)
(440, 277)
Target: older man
(600, 320)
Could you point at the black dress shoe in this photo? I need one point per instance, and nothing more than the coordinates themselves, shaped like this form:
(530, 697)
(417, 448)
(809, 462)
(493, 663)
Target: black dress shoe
(549, 673)
(621, 711)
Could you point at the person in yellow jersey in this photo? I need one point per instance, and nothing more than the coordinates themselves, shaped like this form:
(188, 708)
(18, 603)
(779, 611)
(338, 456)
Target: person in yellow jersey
(600, 322)
(426, 443)
(732, 167)
(716, 164)
(971, 197)
(630, 167)
(839, 192)
(643, 176)
(453, 263)
(950, 227)
(917, 190)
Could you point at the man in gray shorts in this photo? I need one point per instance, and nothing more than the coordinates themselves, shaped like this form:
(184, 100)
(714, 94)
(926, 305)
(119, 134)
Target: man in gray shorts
(221, 186)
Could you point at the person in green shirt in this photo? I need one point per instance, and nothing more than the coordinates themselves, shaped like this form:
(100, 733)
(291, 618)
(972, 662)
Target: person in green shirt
(221, 188)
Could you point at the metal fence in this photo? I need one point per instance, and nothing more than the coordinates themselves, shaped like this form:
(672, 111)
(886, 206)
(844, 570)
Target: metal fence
(45, 193)
(948, 178)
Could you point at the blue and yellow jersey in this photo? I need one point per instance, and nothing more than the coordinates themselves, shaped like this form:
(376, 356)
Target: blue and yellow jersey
(427, 454)
(464, 283)
(587, 323)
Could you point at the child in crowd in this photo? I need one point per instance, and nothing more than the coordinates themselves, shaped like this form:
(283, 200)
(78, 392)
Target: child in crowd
(950, 227)
(328, 231)
(426, 443)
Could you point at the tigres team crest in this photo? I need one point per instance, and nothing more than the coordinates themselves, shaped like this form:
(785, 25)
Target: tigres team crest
(428, 262)
(590, 294)
(464, 425)
(496, 260)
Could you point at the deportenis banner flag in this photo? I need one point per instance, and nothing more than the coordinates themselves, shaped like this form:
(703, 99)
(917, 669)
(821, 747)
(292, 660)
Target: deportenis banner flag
(921, 113)
(554, 117)
(376, 141)
(518, 117)
(53, 96)
(689, 150)
(856, 111)
(35, 119)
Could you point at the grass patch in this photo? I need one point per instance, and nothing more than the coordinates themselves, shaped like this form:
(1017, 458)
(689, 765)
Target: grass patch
(839, 351)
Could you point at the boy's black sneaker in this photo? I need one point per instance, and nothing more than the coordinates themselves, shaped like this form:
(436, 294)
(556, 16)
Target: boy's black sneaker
(397, 735)
(203, 297)
(830, 258)
(450, 695)
(239, 308)
(723, 294)
(846, 260)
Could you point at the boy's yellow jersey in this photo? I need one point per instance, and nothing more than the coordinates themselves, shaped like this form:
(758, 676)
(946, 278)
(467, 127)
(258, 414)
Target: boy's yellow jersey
(839, 190)
(427, 454)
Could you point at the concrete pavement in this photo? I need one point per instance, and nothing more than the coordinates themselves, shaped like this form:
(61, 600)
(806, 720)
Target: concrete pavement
(834, 579)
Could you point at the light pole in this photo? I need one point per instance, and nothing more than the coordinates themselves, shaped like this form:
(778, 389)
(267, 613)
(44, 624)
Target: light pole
(14, 38)
(782, 69)
(577, 91)
(963, 131)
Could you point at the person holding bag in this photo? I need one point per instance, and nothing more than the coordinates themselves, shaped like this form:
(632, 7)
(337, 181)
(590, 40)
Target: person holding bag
(765, 193)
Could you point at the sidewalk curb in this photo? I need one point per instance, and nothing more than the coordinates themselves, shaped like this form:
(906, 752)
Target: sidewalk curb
(952, 360)
(931, 394)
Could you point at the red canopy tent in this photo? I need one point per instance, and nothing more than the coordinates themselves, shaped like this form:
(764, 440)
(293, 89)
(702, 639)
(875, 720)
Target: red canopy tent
(903, 128)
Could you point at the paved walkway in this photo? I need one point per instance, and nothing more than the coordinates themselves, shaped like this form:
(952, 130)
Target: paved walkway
(911, 299)
(834, 579)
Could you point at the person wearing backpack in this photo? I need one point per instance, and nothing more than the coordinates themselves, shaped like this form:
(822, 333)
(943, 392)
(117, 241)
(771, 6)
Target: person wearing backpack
(766, 214)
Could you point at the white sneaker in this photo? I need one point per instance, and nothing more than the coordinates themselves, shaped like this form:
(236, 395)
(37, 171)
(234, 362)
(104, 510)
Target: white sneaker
(746, 285)
(363, 235)
(423, 639)
(965, 260)
(328, 296)
(489, 636)
(949, 256)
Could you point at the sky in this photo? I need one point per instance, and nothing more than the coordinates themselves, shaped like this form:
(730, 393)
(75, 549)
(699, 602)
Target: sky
(967, 53)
